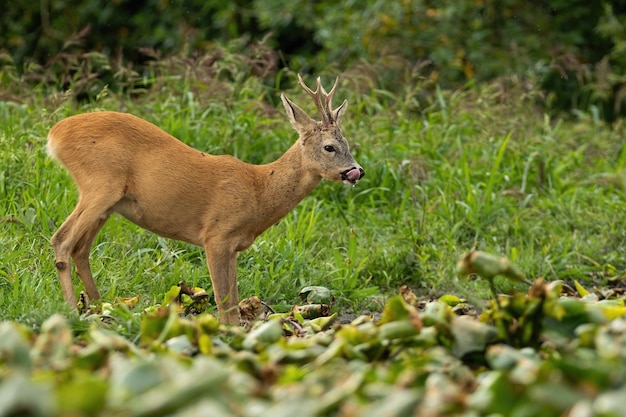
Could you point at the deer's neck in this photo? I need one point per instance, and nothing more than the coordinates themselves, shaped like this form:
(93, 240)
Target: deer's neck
(287, 182)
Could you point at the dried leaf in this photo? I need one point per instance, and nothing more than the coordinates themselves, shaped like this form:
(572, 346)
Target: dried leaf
(311, 311)
(130, 303)
(408, 296)
(251, 308)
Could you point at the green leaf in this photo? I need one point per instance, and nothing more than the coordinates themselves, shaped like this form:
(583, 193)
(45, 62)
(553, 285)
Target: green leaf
(171, 295)
(581, 290)
(266, 334)
(400, 403)
(322, 323)
(133, 377)
(164, 323)
(181, 387)
(523, 365)
(181, 344)
(437, 314)
(85, 393)
(316, 295)
(488, 266)
(610, 403)
(398, 330)
(21, 396)
(14, 348)
(451, 300)
(51, 349)
(494, 395)
(397, 309)
(609, 309)
(552, 395)
(471, 336)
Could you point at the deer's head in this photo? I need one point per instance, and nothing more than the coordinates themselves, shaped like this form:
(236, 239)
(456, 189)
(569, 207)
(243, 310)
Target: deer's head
(322, 142)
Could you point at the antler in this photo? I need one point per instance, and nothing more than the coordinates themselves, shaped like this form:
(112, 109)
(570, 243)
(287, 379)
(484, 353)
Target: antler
(322, 99)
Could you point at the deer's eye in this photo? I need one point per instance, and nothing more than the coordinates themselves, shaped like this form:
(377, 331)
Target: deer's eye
(329, 148)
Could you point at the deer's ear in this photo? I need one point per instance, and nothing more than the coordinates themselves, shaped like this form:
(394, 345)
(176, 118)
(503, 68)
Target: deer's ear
(298, 118)
(339, 111)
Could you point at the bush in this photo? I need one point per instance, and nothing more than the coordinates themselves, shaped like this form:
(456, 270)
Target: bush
(573, 48)
(586, 70)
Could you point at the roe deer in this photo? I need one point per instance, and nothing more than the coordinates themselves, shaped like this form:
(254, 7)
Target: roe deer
(124, 164)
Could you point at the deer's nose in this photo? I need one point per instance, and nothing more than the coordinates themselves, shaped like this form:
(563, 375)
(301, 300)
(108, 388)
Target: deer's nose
(353, 174)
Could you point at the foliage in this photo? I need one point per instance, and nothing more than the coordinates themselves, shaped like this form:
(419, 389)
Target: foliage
(587, 72)
(476, 168)
(572, 48)
(425, 360)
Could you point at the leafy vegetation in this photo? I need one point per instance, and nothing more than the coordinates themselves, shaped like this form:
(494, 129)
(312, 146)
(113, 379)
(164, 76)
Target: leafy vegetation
(573, 48)
(447, 170)
(535, 354)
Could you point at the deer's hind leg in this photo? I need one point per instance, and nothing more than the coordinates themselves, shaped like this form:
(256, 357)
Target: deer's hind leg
(75, 237)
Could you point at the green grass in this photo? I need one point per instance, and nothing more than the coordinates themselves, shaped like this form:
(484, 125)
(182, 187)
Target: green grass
(480, 168)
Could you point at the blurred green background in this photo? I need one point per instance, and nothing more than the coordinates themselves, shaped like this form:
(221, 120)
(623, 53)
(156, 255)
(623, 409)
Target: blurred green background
(575, 50)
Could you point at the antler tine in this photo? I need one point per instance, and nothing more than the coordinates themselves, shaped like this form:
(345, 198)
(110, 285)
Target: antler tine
(329, 96)
(318, 99)
(310, 92)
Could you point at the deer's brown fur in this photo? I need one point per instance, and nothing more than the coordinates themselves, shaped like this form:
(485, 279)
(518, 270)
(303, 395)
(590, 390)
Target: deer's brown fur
(124, 164)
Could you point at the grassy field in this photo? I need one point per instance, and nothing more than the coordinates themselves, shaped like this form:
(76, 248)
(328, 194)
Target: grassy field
(478, 168)
(446, 172)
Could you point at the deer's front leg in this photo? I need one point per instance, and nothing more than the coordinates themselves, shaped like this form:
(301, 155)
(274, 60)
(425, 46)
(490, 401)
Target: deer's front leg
(223, 268)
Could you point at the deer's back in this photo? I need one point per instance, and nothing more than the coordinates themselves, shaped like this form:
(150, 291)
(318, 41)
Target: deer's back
(107, 137)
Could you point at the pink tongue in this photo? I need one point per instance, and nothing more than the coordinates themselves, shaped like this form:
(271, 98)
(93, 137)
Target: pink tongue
(353, 174)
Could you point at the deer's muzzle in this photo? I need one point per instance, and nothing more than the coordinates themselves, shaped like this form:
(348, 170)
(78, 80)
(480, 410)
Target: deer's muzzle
(352, 175)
